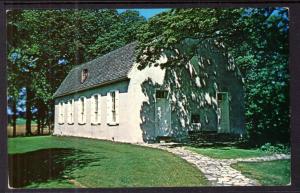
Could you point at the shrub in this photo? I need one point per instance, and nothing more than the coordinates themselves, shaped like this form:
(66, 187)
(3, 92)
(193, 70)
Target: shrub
(278, 148)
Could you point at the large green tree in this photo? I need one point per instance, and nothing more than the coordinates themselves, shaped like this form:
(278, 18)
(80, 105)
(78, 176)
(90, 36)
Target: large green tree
(13, 90)
(51, 42)
(255, 39)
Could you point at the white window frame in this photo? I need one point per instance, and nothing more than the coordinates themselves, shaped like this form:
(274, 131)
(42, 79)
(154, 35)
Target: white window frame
(96, 109)
(113, 108)
(71, 112)
(82, 111)
(61, 113)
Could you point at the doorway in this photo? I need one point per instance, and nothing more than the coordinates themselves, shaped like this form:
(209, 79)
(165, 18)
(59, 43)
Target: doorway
(162, 114)
(223, 103)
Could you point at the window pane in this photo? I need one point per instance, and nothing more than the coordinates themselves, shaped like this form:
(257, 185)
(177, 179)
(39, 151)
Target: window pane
(82, 105)
(220, 96)
(195, 118)
(113, 97)
(84, 75)
(161, 94)
(96, 103)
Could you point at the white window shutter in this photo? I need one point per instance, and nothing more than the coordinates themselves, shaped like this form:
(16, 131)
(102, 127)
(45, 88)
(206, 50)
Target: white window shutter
(72, 109)
(64, 112)
(69, 111)
(93, 106)
(84, 110)
(59, 112)
(117, 106)
(79, 109)
(99, 108)
(108, 108)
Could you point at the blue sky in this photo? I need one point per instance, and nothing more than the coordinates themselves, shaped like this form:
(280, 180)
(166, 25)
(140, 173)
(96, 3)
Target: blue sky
(147, 13)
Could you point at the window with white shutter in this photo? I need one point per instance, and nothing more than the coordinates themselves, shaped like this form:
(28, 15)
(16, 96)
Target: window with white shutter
(70, 112)
(79, 117)
(108, 109)
(61, 113)
(95, 109)
(93, 106)
(117, 106)
(99, 109)
(113, 108)
(82, 111)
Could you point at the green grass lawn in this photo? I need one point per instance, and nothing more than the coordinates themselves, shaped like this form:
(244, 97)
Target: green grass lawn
(228, 152)
(267, 173)
(98, 163)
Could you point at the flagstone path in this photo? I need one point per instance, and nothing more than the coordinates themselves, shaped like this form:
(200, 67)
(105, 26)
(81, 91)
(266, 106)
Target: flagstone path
(218, 171)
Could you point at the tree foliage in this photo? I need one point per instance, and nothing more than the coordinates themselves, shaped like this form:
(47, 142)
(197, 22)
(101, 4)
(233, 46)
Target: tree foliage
(257, 41)
(49, 43)
(43, 45)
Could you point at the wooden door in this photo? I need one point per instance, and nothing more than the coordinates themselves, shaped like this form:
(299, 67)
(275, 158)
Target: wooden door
(224, 123)
(162, 114)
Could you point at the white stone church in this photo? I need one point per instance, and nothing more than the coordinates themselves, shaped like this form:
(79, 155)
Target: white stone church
(109, 98)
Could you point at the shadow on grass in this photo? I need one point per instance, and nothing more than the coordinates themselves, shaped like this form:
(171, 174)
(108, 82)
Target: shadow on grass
(46, 164)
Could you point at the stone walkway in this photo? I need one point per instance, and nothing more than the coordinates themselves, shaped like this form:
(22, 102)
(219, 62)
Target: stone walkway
(217, 171)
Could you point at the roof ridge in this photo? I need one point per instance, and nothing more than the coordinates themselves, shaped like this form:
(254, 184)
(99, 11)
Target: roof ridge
(111, 52)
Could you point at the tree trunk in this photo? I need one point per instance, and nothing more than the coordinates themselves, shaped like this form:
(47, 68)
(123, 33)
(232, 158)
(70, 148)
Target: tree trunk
(29, 96)
(42, 125)
(49, 126)
(49, 118)
(38, 126)
(14, 118)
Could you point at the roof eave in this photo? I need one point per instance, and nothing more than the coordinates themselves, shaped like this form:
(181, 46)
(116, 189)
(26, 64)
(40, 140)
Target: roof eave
(92, 86)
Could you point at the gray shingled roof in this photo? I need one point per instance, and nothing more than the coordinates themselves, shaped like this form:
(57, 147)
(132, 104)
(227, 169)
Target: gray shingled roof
(111, 67)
